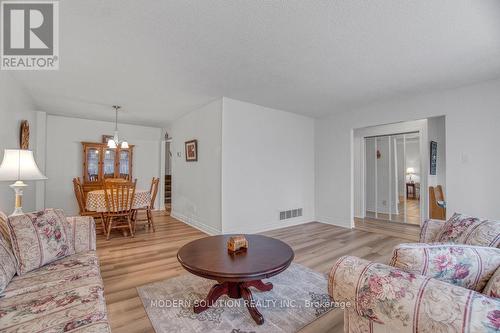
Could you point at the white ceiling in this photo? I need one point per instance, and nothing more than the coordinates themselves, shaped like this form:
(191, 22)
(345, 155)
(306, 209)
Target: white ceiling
(161, 59)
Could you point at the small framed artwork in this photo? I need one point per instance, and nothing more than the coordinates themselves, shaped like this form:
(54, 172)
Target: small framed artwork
(191, 150)
(433, 166)
(24, 135)
(105, 138)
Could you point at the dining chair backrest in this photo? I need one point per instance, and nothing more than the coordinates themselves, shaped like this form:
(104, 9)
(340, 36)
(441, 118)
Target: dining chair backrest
(119, 197)
(79, 194)
(439, 193)
(115, 180)
(437, 203)
(153, 191)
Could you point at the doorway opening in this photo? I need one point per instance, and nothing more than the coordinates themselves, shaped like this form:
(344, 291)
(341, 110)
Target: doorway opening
(399, 176)
(392, 176)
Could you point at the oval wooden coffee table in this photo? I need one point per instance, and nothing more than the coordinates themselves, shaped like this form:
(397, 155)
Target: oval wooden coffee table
(236, 273)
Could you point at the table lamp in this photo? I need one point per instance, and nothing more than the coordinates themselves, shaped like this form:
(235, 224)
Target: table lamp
(410, 171)
(18, 165)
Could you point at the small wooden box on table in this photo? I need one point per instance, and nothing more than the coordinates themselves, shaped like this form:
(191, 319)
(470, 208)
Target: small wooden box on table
(237, 243)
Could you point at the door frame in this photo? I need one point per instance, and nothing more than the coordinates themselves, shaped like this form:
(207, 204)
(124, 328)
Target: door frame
(359, 163)
(163, 145)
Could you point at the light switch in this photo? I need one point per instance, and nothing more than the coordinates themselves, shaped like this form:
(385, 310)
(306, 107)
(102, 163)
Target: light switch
(465, 158)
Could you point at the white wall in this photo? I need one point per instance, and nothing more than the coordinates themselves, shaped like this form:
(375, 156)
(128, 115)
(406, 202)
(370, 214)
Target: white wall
(15, 105)
(196, 186)
(472, 153)
(64, 155)
(267, 167)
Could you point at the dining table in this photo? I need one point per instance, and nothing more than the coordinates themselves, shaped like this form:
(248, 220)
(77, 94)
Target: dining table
(96, 200)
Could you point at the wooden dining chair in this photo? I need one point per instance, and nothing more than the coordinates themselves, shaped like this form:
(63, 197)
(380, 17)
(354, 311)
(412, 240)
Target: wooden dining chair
(119, 200)
(153, 191)
(115, 180)
(437, 203)
(82, 204)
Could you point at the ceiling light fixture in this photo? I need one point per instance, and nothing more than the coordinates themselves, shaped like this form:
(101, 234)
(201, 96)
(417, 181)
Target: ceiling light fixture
(115, 141)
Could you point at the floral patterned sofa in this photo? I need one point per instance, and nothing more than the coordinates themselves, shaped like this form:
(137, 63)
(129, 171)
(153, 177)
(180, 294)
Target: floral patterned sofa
(65, 295)
(449, 282)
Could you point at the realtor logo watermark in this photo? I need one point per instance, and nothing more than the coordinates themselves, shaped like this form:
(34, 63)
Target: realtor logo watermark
(29, 35)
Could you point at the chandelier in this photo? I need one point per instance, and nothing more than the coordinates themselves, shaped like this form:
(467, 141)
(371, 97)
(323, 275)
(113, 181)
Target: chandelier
(115, 141)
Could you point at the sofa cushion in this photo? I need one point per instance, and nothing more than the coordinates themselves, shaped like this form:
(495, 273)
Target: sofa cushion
(470, 267)
(81, 233)
(65, 295)
(4, 228)
(463, 229)
(38, 239)
(492, 289)
(7, 263)
(55, 274)
(430, 230)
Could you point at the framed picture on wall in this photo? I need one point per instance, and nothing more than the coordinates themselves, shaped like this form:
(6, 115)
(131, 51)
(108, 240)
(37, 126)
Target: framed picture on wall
(105, 138)
(24, 135)
(433, 167)
(191, 151)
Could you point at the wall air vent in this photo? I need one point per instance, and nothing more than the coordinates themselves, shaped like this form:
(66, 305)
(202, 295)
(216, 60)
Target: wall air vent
(290, 214)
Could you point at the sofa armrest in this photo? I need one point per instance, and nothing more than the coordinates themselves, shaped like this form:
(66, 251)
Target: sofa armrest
(466, 266)
(81, 233)
(429, 231)
(406, 302)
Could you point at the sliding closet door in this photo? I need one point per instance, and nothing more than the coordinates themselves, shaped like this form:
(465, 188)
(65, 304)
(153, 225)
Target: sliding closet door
(380, 202)
(371, 177)
(399, 178)
(392, 185)
(383, 158)
(412, 179)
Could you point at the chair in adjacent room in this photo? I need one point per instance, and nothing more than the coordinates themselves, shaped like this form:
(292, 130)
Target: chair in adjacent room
(437, 203)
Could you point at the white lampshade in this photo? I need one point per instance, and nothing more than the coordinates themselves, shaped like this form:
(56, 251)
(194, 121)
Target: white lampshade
(19, 164)
(111, 144)
(124, 145)
(410, 171)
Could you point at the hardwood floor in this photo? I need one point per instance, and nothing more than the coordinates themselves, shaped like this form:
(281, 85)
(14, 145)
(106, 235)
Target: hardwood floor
(412, 212)
(410, 232)
(127, 263)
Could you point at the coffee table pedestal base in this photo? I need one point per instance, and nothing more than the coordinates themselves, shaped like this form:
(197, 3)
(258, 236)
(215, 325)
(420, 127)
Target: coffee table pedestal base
(236, 290)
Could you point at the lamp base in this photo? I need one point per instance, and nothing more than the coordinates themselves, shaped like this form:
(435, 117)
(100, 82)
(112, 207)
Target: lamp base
(18, 189)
